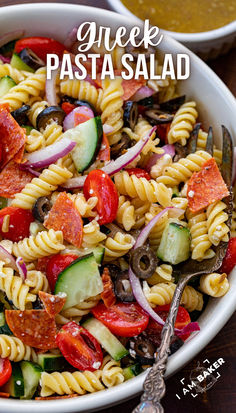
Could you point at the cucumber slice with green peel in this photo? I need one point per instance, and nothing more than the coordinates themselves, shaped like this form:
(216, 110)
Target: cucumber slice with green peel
(107, 340)
(27, 128)
(52, 362)
(17, 63)
(175, 244)
(132, 371)
(88, 136)
(80, 280)
(98, 253)
(15, 386)
(31, 375)
(6, 83)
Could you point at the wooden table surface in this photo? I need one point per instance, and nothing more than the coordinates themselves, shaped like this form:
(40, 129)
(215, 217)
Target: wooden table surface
(221, 398)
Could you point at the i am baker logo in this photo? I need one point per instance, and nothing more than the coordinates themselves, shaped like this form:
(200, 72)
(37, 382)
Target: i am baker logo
(201, 379)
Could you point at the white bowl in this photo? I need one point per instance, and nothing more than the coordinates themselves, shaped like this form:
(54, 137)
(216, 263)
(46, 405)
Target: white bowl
(208, 45)
(217, 106)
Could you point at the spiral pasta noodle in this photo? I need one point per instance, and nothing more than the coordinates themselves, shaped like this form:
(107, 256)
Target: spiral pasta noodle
(80, 89)
(159, 167)
(125, 214)
(36, 108)
(85, 207)
(162, 294)
(163, 273)
(157, 230)
(45, 243)
(52, 133)
(47, 182)
(200, 242)
(182, 170)
(112, 373)
(34, 141)
(140, 187)
(183, 123)
(140, 209)
(118, 246)
(16, 290)
(92, 235)
(216, 223)
(17, 75)
(111, 107)
(142, 128)
(37, 281)
(15, 350)
(33, 85)
(76, 312)
(215, 285)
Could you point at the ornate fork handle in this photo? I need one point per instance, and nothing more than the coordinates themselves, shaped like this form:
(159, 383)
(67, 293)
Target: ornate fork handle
(154, 385)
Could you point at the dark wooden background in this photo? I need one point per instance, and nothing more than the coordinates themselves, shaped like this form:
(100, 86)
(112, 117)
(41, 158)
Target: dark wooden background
(221, 398)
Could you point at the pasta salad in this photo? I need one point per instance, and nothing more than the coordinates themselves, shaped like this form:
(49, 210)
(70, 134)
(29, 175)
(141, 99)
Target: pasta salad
(101, 198)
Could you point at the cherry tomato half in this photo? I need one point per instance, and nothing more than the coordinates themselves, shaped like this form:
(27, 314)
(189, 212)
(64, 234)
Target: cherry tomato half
(154, 329)
(56, 264)
(41, 46)
(229, 260)
(105, 151)
(19, 223)
(79, 347)
(122, 319)
(5, 371)
(67, 107)
(140, 173)
(99, 184)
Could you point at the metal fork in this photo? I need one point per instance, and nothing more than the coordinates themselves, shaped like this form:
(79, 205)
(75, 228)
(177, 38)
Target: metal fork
(154, 384)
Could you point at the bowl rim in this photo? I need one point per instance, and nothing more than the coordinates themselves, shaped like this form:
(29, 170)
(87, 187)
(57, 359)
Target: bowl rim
(227, 304)
(209, 35)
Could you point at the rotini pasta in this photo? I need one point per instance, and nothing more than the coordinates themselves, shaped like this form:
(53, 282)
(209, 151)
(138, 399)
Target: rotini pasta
(112, 373)
(183, 123)
(45, 243)
(163, 273)
(118, 246)
(157, 231)
(111, 107)
(15, 289)
(38, 106)
(78, 311)
(80, 89)
(216, 223)
(36, 281)
(215, 285)
(84, 207)
(201, 145)
(140, 187)
(15, 350)
(47, 182)
(162, 293)
(200, 242)
(34, 141)
(125, 214)
(17, 75)
(92, 235)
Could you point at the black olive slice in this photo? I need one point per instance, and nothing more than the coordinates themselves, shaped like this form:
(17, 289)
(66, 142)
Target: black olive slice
(158, 116)
(113, 269)
(142, 349)
(130, 114)
(119, 148)
(20, 115)
(123, 288)
(143, 261)
(54, 113)
(172, 105)
(31, 59)
(41, 208)
(66, 98)
(135, 51)
(85, 103)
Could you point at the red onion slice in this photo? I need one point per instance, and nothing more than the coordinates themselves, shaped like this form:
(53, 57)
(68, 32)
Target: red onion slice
(142, 93)
(5, 59)
(50, 88)
(114, 166)
(21, 268)
(135, 282)
(8, 37)
(168, 150)
(50, 154)
(71, 38)
(6, 256)
(69, 121)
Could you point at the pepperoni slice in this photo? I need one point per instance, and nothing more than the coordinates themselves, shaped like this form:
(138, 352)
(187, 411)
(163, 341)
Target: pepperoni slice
(108, 295)
(13, 180)
(206, 187)
(34, 327)
(65, 217)
(53, 304)
(12, 138)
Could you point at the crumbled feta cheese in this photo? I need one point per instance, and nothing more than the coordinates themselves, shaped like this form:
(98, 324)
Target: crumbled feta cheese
(61, 294)
(191, 194)
(18, 382)
(96, 365)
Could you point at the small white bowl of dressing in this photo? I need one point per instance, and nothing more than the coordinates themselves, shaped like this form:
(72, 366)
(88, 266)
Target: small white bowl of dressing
(207, 27)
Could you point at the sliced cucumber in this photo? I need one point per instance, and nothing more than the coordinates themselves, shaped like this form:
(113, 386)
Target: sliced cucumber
(175, 244)
(6, 83)
(15, 386)
(98, 253)
(132, 371)
(27, 128)
(17, 63)
(52, 362)
(31, 374)
(80, 280)
(107, 340)
(88, 136)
